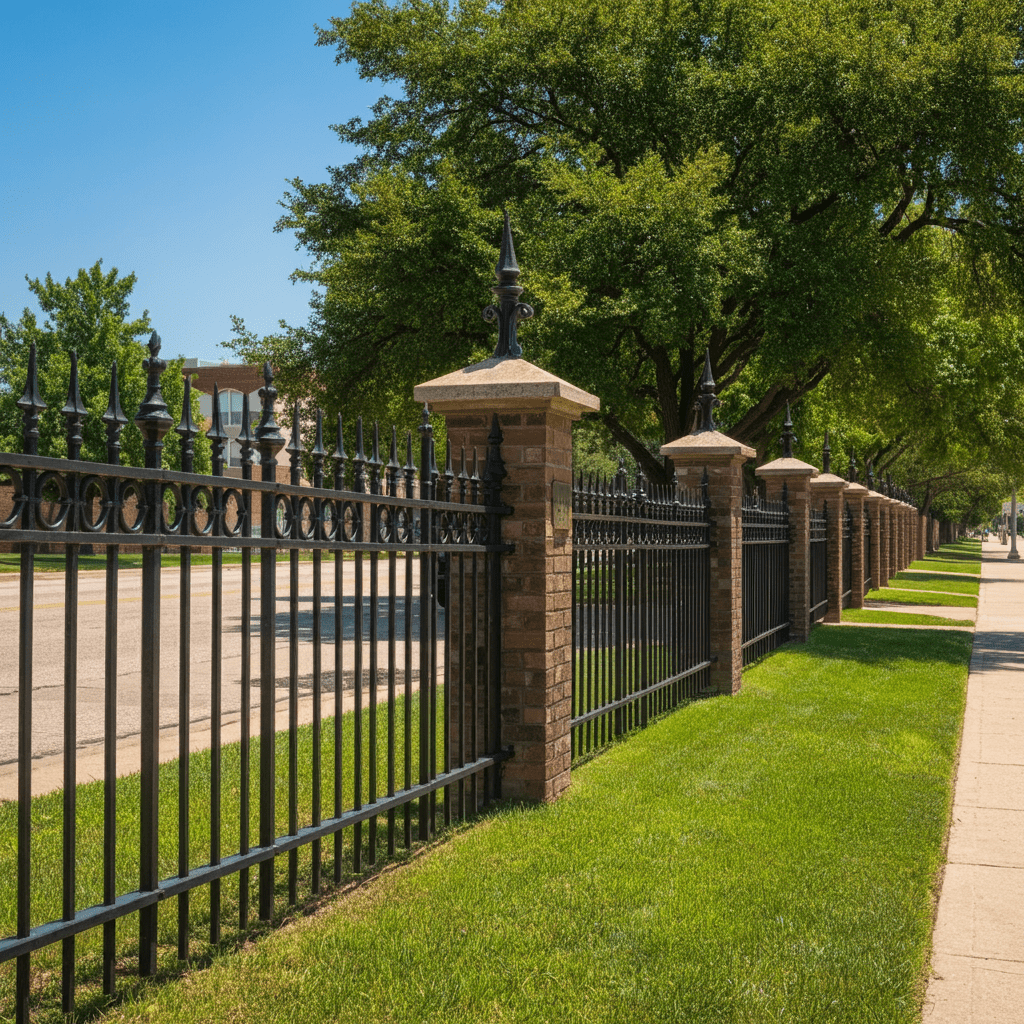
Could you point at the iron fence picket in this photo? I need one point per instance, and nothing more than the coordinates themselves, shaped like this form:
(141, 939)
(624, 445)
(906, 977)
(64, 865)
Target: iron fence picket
(819, 562)
(765, 575)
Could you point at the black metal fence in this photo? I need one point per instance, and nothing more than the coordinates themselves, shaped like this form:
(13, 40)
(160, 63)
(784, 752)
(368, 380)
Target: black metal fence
(765, 576)
(847, 586)
(640, 605)
(819, 562)
(403, 745)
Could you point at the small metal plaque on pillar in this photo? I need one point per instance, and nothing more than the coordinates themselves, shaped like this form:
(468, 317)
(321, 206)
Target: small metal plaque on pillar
(561, 505)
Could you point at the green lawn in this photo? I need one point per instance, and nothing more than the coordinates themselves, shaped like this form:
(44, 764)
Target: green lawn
(767, 857)
(900, 618)
(935, 581)
(921, 597)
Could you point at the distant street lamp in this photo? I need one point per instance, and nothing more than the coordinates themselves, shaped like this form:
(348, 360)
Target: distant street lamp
(1014, 555)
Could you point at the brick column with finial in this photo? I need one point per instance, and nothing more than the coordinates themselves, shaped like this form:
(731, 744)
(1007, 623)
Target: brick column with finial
(856, 493)
(529, 413)
(708, 450)
(827, 491)
(792, 477)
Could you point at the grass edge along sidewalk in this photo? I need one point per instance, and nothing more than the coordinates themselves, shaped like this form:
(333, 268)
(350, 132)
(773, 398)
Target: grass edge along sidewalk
(771, 856)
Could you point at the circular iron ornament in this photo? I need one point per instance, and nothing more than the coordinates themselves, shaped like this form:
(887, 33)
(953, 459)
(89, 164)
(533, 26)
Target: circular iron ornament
(94, 493)
(170, 497)
(229, 527)
(385, 524)
(445, 527)
(132, 497)
(307, 519)
(352, 521)
(283, 516)
(13, 478)
(201, 505)
(403, 526)
(52, 489)
(329, 522)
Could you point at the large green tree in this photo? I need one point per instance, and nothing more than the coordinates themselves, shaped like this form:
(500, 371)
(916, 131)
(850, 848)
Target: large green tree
(764, 178)
(88, 314)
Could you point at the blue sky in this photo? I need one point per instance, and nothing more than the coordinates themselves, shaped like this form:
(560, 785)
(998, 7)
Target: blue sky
(159, 137)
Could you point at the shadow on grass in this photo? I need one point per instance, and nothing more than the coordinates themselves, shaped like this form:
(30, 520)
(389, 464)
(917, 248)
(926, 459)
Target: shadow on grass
(870, 645)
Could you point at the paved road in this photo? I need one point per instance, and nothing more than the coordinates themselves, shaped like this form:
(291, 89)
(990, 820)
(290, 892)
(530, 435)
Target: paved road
(48, 658)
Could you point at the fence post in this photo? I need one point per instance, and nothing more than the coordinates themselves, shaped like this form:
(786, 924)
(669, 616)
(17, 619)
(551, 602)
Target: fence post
(828, 488)
(795, 476)
(856, 494)
(723, 458)
(535, 411)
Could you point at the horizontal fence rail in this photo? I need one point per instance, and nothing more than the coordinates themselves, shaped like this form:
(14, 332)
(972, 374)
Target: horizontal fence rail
(640, 641)
(393, 630)
(819, 562)
(765, 571)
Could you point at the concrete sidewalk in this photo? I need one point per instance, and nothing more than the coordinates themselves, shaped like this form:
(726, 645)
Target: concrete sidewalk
(978, 943)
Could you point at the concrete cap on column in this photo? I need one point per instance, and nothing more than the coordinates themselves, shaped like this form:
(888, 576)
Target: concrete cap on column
(828, 481)
(707, 444)
(787, 467)
(504, 382)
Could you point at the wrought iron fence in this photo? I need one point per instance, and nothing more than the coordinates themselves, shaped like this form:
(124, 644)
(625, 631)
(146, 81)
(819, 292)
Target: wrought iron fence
(819, 562)
(847, 587)
(640, 605)
(420, 743)
(866, 525)
(765, 576)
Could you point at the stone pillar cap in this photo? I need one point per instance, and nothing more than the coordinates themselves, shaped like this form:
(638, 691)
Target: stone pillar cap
(827, 480)
(852, 488)
(786, 467)
(504, 382)
(707, 443)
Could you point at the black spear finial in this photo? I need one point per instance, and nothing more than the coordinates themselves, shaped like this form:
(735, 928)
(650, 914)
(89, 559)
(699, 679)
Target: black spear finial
(186, 429)
(217, 435)
(394, 465)
(31, 405)
(339, 458)
(294, 448)
(245, 440)
(74, 411)
(359, 460)
(509, 311)
(871, 475)
(153, 419)
(269, 438)
(851, 474)
(115, 419)
(318, 454)
(826, 456)
(706, 402)
(788, 437)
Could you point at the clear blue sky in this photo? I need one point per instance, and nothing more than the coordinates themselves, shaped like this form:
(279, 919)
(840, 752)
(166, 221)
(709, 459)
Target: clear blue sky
(159, 137)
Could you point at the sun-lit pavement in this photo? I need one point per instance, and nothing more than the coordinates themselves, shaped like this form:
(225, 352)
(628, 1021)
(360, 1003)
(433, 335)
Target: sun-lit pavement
(978, 944)
(48, 661)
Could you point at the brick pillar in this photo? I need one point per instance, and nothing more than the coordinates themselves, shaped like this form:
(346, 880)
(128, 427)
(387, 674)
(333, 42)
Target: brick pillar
(885, 528)
(796, 477)
(892, 517)
(855, 496)
(872, 505)
(536, 411)
(828, 489)
(922, 535)
(723, 458)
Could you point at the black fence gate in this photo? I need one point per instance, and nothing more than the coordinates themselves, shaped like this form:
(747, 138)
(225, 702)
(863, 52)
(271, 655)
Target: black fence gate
(640, 605)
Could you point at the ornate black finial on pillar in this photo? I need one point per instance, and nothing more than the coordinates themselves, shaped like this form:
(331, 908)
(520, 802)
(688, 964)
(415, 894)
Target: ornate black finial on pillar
(788, 437)
(115, 419)
(217, 435)
(851, 474)
(269, 438)
(706, 402)
(426, 432)
(245, 440)
(318, 454)
(186, 429)
(31, 405)
(871, 475)
(74, 411)
(889, 490)
(826, 456)
(153, 419)
(509, 310)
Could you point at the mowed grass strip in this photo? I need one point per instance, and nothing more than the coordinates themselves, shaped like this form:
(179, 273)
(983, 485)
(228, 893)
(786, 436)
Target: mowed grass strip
(935, 581)
(921, 597)
(901, 618)
(767, 857)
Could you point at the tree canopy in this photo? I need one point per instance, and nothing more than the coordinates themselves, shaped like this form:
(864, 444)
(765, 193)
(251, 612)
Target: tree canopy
(88, 314)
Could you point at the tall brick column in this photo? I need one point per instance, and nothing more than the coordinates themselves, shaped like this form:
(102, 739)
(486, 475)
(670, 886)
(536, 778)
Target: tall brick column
(856, 493)
(893, 517)
(535, 411)
(708, 448)
(873, 509)
(828, 489)
(795, 476)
